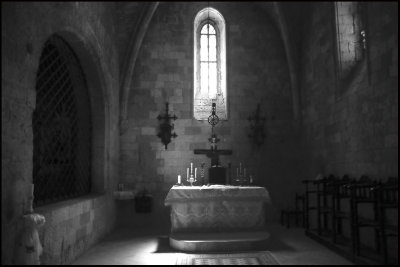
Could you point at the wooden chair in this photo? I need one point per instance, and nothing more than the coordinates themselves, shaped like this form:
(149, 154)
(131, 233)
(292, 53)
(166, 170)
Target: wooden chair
(325, 189)
(341, 192)
(364, 191)
(308, 192)
(297, 212)
(388, 199)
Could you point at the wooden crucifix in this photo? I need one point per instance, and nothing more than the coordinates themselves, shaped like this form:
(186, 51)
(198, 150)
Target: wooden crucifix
(213, 153)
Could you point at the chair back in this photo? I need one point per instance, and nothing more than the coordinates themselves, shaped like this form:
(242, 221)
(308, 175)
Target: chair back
(344, 185)
(300, 200)
(365, 189)
(389, 192)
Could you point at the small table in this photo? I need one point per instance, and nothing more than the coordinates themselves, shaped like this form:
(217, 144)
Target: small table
(217, 208)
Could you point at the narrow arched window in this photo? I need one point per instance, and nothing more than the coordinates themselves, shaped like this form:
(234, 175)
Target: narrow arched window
(61, 126)
(351, 36)
(209, 64)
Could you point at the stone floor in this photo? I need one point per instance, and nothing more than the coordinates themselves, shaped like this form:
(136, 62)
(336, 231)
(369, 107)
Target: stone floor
(145, 246)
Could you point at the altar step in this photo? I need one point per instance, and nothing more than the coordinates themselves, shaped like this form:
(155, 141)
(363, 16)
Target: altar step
(218, 242)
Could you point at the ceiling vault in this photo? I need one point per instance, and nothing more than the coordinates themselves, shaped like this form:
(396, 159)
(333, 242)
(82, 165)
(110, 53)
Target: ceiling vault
(290, 55)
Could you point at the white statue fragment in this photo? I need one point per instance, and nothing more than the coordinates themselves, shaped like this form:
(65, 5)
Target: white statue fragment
(29, 248)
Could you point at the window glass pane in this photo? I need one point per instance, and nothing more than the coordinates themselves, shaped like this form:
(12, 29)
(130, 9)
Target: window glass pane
(204, 79)
(213, 48)
(203, 48)
(211, 29)
(213, 80)
(204, 29)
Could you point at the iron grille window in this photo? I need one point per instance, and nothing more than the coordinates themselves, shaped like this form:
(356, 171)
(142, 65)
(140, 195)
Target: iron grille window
(61, 126)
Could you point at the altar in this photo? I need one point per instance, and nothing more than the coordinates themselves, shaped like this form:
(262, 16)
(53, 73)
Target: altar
(217, 208)
(217, 217)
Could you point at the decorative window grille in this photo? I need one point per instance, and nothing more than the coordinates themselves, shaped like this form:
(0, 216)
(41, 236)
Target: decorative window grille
(61, 126)
(209, 64)
(351, 36)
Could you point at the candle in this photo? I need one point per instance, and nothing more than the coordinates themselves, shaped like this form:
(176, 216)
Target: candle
(187, 173)
(179, 179)
(191, 167)
(240, 166)
(195, 172)
(33, 188)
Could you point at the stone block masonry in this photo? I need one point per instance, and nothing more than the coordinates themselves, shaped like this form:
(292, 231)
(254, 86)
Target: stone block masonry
(353, 119)
(73, 227)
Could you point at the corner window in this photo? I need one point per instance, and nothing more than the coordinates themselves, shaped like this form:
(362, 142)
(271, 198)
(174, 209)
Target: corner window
(351, 36)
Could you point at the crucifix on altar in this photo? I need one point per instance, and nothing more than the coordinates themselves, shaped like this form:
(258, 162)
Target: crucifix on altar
(217, 173)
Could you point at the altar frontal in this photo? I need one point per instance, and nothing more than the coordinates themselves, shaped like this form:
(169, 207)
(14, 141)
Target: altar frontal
(217, 208)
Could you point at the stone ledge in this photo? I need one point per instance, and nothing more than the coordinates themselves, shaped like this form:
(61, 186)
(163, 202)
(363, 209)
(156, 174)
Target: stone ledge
(215, 242)
(67, 203)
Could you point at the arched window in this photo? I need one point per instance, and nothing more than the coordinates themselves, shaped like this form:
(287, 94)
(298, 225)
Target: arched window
(209, 64)
(351, 36)
(61, 126)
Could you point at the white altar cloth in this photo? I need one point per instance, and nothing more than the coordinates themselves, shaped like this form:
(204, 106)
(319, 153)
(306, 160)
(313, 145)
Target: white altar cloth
(217, 208)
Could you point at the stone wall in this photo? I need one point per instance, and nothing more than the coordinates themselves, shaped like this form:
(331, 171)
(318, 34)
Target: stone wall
(351, 128)
(257, 72)
(72, 225)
